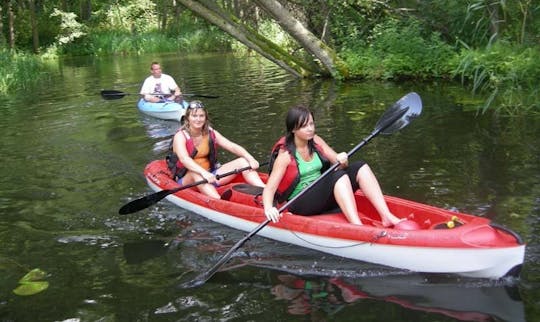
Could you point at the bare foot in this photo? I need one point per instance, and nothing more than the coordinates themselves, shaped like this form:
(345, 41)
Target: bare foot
(390, 220)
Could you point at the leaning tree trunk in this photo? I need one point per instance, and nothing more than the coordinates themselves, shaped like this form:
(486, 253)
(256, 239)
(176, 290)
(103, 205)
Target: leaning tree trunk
(250, 38)
(306, 38)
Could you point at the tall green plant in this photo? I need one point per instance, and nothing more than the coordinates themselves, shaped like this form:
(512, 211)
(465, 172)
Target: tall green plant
(501, 19)
(18, 71)
(502, 70)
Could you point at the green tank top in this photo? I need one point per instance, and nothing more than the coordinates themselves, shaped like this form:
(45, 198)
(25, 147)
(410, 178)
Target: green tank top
(309, 172)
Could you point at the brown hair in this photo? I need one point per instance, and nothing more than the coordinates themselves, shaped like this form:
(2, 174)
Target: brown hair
(192, 108)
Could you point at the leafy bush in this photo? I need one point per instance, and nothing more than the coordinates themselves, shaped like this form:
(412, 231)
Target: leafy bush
(400, 50)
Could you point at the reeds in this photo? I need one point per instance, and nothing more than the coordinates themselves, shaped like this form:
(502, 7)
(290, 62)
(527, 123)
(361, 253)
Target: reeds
(18, 70)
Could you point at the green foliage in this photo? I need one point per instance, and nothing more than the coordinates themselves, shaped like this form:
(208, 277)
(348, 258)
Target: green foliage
(272, 30)
(124, 43)
(132, 28)
(500, 19)
(503, 70)
(134, 16)
(19, 71)
(70, 28)
(352, 21)
(399, 50)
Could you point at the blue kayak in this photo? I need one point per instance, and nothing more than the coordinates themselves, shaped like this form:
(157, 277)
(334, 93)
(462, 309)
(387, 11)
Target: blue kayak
(163, 110)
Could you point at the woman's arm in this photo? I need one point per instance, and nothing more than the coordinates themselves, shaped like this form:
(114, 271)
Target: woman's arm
(332, 155)
(236, 149)
(278, 171)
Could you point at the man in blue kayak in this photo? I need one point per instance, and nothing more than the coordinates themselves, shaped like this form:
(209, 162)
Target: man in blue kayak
(160, 87)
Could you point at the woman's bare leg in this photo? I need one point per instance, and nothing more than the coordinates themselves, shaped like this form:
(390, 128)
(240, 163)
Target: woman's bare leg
(371, 188)
(206, 188)
(250, 176)
(344, 196)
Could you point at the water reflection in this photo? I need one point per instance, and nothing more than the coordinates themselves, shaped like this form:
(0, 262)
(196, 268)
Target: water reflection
(461, 301)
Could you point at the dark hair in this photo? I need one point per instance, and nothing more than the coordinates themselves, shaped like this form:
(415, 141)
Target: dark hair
(297, 117)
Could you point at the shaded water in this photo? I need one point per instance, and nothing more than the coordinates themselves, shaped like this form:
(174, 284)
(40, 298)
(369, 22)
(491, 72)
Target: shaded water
(70, 160)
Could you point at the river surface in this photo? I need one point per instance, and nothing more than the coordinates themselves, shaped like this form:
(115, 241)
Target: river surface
(70, 160)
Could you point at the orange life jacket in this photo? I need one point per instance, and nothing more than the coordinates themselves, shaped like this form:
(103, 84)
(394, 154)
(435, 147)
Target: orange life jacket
(178, 170)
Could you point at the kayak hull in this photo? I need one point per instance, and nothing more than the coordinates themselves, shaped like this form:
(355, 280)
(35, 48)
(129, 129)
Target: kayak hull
(164, 110)
(476, 247)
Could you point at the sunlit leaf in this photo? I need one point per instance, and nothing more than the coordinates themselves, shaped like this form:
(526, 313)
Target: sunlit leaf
(31, 288)
(34, 275)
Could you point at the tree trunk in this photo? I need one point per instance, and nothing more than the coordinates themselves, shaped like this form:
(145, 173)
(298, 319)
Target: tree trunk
(11, 24)
(86, 9)
(33, 23)
(493, 15)
(215, 15)
(306, 38)
(2, 38)
(177, 12)
(163, 10)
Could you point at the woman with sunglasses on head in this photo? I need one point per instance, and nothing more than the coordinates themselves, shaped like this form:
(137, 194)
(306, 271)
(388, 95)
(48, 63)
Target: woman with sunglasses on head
(195, 145)
(300, 158)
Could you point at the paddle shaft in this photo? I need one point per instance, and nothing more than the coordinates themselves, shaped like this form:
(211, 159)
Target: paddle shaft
(154, 198)
(207, 275)
(114, 94)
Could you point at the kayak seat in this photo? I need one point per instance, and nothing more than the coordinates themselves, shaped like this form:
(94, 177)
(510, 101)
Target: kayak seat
(244, 193)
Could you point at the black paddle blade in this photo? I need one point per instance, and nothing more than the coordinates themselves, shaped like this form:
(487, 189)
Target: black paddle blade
(400, 114)
(144, 202)
(110, 94)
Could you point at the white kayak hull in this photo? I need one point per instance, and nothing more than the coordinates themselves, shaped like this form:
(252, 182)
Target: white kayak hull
(164, 110)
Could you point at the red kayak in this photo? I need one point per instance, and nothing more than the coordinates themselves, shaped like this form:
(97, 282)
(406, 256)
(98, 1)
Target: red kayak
(431, 239)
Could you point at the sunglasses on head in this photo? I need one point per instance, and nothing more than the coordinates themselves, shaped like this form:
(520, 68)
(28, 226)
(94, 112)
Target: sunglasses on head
(195, 105)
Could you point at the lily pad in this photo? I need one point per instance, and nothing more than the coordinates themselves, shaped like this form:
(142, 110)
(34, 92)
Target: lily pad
(31, 288)
(32, 283)
(34, 275)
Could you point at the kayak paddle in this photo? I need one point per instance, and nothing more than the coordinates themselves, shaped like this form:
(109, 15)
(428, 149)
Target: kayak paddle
(111, 94)
(147, 201)
(396, 117)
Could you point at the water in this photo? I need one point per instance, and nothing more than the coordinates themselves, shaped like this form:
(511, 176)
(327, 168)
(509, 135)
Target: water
(70, 160)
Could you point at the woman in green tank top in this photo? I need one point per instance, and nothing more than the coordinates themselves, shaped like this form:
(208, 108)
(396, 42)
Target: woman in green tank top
(334, 190)
(309, 172)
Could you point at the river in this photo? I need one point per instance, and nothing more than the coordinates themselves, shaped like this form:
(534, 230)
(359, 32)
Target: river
(70, 160)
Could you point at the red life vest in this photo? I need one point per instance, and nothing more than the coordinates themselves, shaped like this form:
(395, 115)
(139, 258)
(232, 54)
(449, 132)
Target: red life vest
(177, 168)
(292, 173)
